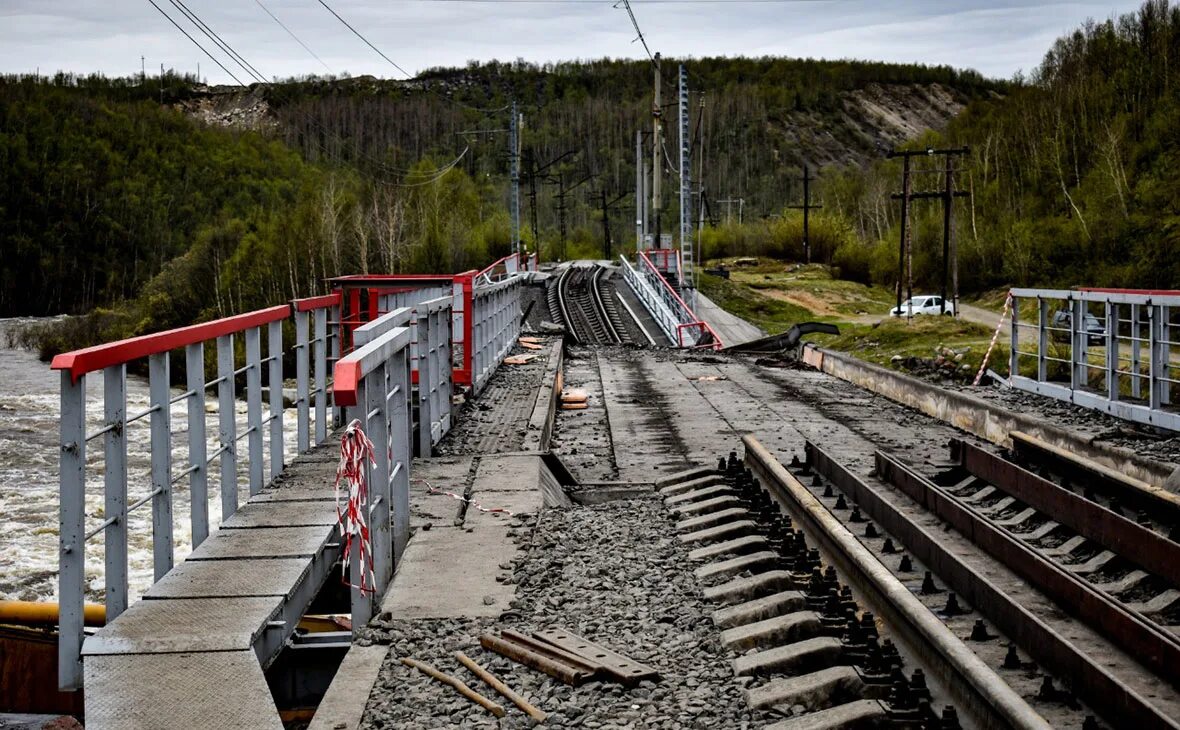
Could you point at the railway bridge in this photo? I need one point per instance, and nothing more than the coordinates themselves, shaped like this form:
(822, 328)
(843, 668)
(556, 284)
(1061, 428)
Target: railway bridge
(514, 496)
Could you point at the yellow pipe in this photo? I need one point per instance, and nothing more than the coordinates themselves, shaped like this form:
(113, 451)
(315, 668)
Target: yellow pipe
(35, 613)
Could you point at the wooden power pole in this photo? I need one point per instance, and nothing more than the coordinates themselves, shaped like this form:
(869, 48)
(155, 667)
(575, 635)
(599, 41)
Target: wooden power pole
(807, 207)
(905, 256)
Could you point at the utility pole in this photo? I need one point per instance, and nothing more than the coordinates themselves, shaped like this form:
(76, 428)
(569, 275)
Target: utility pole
(807, 208)
(646, 203)
(905, 257)
(142, 72)
(562, 191)
(729, 208)
(656, 146)
(514, 158)
(606, 206)
(639, 196)
(687, 273)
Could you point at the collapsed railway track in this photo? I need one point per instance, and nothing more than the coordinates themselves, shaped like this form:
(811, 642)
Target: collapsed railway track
(1106, 572)
(583, 301)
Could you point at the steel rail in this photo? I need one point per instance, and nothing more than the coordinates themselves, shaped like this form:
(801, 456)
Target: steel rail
(976, 688)
(1096, 477)
(1149, 550)
(1153, 646)
(563, 305)
(600, 306)
(1087, 674)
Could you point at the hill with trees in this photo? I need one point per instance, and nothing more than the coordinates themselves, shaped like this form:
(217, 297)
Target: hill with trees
(220, 199)
(1074, 173)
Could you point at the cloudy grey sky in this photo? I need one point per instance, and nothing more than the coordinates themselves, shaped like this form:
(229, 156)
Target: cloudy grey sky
(997, 38)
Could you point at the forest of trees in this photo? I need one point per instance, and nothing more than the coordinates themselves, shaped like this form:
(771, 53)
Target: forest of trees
(1075, 173)
(107, 195)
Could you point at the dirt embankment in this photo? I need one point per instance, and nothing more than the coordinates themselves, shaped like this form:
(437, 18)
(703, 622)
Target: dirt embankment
(872, 120)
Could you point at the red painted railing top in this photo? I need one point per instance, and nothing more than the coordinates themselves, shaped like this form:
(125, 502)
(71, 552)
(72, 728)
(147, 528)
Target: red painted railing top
(80, 362)
(309, 304)
(501, 262)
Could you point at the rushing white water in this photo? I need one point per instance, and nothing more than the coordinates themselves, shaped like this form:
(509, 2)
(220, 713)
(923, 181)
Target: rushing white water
(29, 448)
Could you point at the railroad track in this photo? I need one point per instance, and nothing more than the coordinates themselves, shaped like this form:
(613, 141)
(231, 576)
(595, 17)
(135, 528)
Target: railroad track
(581, 299)
(826, 635)
(1091, 596)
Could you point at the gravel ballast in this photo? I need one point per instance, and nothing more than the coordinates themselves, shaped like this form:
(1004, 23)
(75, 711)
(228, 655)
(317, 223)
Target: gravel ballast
(613, 573)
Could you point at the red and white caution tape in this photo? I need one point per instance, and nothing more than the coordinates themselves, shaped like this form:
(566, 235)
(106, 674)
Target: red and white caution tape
(995, 337)
(431, 489)
(352, 515)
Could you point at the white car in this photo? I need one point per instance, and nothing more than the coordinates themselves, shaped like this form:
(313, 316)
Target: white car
(928, 304)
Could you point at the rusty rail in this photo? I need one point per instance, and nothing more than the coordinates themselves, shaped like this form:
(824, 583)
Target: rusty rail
(1087, 674)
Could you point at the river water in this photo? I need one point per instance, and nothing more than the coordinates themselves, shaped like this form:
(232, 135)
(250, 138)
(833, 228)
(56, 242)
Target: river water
(29, 448)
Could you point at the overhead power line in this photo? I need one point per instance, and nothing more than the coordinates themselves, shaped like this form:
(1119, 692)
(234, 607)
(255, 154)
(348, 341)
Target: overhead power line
(195, 43)
(366, 40)
(292, 34)
(638, 32)
(217, 40)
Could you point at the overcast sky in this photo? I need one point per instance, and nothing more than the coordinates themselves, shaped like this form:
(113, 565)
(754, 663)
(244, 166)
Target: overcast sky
(996, 38)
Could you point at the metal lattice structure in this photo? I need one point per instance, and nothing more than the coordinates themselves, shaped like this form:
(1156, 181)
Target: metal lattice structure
(1107, 349)
(687, 251)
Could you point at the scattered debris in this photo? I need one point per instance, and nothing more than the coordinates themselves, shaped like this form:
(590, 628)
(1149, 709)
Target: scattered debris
(550, 662)
(500, 687)
(616, 666)
(521, 359)
(463, 689)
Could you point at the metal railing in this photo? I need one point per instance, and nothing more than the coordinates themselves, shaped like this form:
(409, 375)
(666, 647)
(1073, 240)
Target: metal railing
(1106, 349)
(318, 342)
(674, 317)
(373, 381)
(117, 506)
(433, 371)
(495, 325)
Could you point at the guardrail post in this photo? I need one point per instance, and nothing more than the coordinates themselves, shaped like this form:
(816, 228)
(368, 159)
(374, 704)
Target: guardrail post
(1112, 351)
(227, 426)
(1042, 337)
(115, 487)
(403, 428)
(1014, 351)
(361, 602)
(274, 351)
(1079, 349)
(427, 380)
(161, 456)
(320, 353)
(1165, 354)
(198, 482)
(254, 408)
(1136, 336)
(375, 411)
(71, 575)
(335, 352)
(302, 387)
(1157, 355)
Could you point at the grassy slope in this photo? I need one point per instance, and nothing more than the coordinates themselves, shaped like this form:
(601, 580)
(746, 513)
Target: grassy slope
(774, 295)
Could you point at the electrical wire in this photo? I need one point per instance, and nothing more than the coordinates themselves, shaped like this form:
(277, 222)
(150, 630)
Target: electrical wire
(366, 40)
(406, 73)
(292, 34)
(191, 17)
(638, 32)
(435, 178)
(195, 43)
(217, 40)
